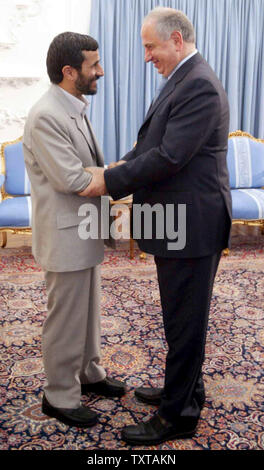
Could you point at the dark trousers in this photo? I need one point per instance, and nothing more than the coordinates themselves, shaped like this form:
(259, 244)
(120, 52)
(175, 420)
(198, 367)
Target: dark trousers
(185, 290)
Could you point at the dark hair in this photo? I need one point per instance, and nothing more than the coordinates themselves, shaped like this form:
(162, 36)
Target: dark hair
(66, 49)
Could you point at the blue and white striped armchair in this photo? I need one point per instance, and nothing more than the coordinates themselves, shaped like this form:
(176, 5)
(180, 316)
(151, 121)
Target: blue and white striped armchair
(15, 200)
(245, 161)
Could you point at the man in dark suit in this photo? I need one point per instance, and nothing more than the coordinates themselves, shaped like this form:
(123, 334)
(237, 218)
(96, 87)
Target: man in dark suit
(179, 160)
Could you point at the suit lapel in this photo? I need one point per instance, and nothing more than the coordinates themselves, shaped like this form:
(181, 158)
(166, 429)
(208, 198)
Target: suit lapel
(99, 155)
(96, 152)
(80, 127)
(80, 124)
(91, 142)
(172, 83)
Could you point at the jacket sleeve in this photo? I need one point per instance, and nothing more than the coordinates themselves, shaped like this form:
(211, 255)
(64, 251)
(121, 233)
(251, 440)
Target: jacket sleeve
(53, 151)
(191, 121)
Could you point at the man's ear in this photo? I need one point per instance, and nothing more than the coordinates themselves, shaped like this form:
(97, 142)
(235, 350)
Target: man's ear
(69, 73)
(176, 36)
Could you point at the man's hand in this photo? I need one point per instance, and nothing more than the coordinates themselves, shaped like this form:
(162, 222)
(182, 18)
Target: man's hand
(114, 164)
(97, 186)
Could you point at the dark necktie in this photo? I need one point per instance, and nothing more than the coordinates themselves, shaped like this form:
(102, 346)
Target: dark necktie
(160, 88)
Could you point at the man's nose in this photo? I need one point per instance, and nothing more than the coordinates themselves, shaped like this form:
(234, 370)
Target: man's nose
(100, 71)
(148, 56)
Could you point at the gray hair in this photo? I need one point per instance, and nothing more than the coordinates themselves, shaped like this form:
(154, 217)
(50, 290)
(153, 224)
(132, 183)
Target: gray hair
(168, 20)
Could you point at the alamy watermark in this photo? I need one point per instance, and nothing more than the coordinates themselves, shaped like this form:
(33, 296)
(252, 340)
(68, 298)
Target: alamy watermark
(115, 222)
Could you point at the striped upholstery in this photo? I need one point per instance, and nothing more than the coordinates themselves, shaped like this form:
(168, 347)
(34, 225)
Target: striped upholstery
(245, 161)
(248, 204)
(16, 178)
(15, 212)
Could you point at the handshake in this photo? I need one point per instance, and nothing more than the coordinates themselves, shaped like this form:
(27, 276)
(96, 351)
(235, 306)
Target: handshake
(97, 186)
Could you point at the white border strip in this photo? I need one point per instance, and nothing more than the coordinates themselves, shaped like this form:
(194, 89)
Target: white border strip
(250, 193)
(29, 204)
(26, 183)
(236, 163)
(243, 164)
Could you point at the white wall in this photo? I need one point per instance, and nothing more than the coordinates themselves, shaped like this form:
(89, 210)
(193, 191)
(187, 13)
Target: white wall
(26, 29)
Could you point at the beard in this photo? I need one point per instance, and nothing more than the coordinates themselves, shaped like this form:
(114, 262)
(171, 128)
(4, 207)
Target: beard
(86, 86)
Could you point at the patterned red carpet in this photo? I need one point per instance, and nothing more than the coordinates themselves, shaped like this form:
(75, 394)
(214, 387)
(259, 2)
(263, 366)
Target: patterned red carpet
(134, 350)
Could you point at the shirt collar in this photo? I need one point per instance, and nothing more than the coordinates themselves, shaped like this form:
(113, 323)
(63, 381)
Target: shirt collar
(80, 105)
(182, 62)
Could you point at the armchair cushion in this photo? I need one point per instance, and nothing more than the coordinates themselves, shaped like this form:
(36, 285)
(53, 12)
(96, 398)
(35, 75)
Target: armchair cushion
(245, 161)
(248, 204)
(16, 212)
(16, 178)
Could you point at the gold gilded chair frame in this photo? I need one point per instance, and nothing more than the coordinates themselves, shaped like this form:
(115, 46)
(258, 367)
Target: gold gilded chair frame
(5, 195)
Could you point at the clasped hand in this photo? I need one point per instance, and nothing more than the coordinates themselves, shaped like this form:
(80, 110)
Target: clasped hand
(97, 186)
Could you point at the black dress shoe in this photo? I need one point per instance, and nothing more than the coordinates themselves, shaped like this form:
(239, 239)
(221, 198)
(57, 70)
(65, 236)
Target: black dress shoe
(152, 396)
(81, 417)
(149, 395)
(108, 388)
(157, 430)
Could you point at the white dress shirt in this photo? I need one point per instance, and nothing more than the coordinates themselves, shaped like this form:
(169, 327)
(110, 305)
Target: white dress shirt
(182, 62)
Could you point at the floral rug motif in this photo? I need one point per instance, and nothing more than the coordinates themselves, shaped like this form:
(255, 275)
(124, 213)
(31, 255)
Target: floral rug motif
(134, 350)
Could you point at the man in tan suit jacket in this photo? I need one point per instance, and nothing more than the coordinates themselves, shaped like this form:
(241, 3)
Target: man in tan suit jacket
(58, 145)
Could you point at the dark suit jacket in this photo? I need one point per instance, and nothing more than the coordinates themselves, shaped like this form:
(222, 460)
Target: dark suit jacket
(180, 158)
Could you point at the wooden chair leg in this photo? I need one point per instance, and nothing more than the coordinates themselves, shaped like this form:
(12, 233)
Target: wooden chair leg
(131, 248)
(4, 239)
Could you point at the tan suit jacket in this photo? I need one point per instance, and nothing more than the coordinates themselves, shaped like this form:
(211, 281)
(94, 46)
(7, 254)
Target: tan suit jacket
(56, 152)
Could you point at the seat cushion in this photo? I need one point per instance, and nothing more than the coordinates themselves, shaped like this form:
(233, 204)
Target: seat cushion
(16, 177)
(247, 204)
(16, 212)
(245, 161)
